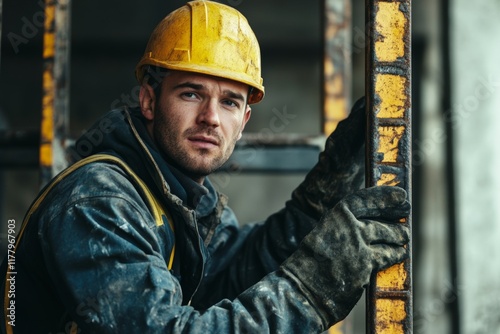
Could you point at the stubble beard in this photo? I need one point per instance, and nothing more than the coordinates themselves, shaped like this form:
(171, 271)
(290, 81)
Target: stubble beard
(194, 165)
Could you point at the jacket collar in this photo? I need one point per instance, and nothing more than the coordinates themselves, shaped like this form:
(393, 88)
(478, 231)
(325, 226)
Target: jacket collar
(202, 198)
(126, 137)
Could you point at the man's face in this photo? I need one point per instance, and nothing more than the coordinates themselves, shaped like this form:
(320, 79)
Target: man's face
(197, 120)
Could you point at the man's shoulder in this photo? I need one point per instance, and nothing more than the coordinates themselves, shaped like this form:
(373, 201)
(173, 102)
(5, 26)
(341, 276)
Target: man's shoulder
(98, 188)
(95, 179)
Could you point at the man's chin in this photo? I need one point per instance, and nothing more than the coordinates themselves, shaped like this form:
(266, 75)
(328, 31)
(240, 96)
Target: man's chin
(201, 170)
(198, 165)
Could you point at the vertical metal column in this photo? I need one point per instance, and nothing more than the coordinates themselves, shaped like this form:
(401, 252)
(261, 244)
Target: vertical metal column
(337, 73)
(55, 103)
(388, 91)
(337, 76)
(450, 156)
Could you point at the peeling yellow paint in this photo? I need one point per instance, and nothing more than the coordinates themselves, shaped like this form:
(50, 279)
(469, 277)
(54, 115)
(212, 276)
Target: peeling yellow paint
(50, 14)
(48, 45)
(391, 314)
(47, 122)
(387, 180)
(336, 112)
(49, 37)
(390, 24)
(391, 91)
(389, 142)
(47, 125)
(46, 155)
(390, 31)
(393, 278)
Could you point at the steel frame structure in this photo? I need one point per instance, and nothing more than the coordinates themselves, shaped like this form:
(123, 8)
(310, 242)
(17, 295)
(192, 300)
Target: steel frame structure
(388, 93)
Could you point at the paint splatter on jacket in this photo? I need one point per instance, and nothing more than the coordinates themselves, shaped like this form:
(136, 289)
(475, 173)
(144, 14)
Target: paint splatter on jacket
(92, 253)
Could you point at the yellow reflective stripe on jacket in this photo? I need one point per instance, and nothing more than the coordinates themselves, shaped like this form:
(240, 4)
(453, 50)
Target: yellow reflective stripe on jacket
(157, 210)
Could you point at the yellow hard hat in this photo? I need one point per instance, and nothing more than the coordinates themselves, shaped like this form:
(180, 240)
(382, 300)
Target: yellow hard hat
(210, 38)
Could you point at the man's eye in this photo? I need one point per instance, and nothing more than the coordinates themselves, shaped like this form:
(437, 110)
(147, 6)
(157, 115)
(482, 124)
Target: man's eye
(230, 103)
(189, 95)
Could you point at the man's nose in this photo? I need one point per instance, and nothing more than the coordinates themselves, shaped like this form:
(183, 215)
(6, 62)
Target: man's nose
(209, 113)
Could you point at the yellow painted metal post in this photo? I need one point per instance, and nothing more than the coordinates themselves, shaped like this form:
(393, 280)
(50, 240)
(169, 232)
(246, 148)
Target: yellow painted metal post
(337, 72)
(55, 100)
(388, 85)
(337, 77)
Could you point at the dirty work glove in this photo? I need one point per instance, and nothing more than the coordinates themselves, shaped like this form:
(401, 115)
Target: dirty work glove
(360, 235)
(340, 170)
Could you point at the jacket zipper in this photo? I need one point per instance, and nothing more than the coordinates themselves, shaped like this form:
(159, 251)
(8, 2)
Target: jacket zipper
(165, 190)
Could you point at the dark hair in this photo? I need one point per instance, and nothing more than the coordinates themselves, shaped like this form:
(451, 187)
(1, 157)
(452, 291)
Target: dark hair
(154, 76)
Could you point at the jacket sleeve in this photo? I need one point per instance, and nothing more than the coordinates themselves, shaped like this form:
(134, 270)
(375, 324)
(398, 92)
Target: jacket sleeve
(108, 266)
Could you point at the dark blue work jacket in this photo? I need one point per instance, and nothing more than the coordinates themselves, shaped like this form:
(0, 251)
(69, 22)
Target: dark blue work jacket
(93, 259)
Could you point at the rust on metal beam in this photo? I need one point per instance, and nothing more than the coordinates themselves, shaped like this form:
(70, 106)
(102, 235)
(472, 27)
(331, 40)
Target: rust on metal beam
(388, 92)
(55, 99)
(336, 62)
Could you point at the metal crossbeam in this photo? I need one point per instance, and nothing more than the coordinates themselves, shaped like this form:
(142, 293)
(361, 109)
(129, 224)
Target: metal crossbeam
(388, 91)
(285, 153)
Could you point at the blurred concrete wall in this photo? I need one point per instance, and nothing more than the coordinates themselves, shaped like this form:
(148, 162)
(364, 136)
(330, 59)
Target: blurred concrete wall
(432, 256)
(475, 119)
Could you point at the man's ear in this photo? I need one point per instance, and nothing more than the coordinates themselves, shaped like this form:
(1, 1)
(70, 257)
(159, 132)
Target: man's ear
(246, 117)
(147, 101)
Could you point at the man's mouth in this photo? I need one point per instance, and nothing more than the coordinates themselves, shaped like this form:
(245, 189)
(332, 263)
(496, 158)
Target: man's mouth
(203, 141)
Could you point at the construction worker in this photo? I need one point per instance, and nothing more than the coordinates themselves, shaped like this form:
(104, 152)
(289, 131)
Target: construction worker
(133, 238)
